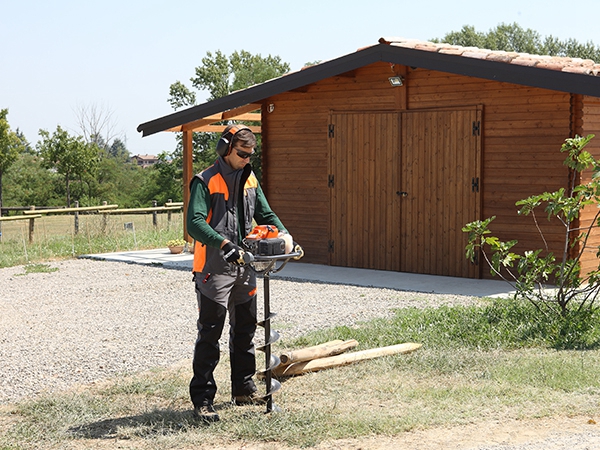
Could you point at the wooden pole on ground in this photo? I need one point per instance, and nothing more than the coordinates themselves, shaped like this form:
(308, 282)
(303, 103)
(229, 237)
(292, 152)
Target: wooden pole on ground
(341, 360)
(318, 351)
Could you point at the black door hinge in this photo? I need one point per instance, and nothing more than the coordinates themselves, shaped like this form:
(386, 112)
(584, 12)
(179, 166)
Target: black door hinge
(476, 128)
(330, 247)
(475, 184)
(331, 130)
(331, 182)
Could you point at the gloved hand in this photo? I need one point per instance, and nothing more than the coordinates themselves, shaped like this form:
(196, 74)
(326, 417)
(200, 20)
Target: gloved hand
(298, 249)
(233, 254)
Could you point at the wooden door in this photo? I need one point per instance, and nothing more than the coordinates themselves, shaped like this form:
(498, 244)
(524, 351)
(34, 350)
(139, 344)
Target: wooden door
(440, 181)
(363, 181)
(402, 187)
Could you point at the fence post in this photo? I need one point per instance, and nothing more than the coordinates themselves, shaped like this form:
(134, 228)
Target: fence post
(31, 225)
(169, 214)
(104, 218)
(154, 214)
(76, 217)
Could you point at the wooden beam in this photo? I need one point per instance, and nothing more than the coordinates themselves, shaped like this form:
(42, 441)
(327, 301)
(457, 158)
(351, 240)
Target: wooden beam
(187, 177)
(220, 128)
(230, 114)
(241, 113)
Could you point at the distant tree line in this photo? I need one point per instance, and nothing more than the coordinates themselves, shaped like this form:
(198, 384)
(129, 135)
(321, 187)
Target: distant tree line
(96, 166)
(514, 38)
(63, 168)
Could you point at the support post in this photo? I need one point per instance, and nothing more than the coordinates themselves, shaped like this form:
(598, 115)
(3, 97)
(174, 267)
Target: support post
(104, 219)
(31, 226)
(154, 214)
(187, 177)
(169, 215)
(76, 224)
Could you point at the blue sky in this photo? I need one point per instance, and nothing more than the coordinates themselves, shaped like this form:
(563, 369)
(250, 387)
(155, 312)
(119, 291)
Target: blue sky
(121, 56)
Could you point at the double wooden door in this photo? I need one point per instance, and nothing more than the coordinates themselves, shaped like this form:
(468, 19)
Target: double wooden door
(402, 187)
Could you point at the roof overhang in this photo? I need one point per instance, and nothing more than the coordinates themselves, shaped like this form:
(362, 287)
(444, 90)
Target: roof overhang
(238, 103)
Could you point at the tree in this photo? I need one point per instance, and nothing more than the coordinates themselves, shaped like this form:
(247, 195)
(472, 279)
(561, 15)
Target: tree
(28, 182)
(530, 272)
(70, 156)
(97, 125)
(512, 37)
(162, 182)
(218, 76)
(10, 147)
(118, 150)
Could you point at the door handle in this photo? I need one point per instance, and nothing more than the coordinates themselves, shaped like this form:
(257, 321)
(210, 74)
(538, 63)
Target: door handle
(402, 193)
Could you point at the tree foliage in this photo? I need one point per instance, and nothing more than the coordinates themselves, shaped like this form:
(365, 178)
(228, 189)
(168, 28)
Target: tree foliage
(70, 156)
(10, 147)
(218, 76)
(512, 37)
(163, 181)
(531, 272)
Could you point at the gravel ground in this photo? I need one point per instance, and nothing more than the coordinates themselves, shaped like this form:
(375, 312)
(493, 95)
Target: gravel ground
(90, 320)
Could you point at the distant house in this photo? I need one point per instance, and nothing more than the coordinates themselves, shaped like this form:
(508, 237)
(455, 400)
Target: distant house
(376, 159)
(144, 160)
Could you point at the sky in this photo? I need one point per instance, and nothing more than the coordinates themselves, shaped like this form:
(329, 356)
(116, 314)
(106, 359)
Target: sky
(59, 57)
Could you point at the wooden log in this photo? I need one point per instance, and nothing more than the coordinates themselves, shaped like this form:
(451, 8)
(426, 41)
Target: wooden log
(318, 351)
(341, 360)
(67, 210)
(12, 218)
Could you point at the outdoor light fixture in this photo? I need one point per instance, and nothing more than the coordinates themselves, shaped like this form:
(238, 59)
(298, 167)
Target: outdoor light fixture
(396, 81)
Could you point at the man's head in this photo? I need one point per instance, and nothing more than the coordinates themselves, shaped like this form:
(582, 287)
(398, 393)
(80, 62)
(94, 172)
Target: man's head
(236, 145)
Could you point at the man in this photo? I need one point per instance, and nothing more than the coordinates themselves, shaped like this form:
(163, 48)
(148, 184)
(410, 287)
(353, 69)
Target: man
(223, 201)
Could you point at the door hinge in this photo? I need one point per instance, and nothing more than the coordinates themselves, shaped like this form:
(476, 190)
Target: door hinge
(475, 184)
(330, 247)
(331, 182)
(476, 128)
(331, 130)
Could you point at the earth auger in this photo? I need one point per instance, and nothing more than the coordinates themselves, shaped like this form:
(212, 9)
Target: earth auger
(266, 266)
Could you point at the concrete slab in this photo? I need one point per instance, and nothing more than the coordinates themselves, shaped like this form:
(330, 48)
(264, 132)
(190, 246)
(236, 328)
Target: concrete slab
(330, 274)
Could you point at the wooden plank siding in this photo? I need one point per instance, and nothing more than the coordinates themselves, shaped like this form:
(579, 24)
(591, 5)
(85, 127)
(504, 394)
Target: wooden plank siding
(589, 122)
(522, 131)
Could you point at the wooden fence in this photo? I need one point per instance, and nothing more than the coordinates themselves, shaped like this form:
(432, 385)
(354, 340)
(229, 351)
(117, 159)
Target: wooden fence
(32, 214)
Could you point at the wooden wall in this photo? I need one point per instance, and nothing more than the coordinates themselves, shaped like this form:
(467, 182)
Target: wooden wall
(587, 109)
(522, 132)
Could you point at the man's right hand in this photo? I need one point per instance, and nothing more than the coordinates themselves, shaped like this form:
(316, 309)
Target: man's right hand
(233, 254)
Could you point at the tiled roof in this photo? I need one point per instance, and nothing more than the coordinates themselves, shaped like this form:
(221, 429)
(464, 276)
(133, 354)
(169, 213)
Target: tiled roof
(558, 63)
(573, 75)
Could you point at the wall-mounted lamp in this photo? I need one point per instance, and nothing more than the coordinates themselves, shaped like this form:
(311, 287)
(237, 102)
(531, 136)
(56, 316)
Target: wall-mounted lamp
(271, 107)
(396, 81)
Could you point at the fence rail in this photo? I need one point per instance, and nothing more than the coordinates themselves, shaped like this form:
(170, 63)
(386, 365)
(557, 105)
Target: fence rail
(32, 213)
(31, 219)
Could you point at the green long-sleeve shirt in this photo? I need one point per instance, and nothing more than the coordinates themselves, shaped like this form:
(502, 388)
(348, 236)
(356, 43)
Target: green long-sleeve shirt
(199, 208)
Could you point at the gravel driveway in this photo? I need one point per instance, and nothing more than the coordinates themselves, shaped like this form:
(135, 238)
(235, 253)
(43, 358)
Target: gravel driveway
(90, 320)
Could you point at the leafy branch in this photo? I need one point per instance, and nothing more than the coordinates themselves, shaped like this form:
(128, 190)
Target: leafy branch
(553, 285)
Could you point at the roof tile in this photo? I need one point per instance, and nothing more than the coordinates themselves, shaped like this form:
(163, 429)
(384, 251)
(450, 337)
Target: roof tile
(556, 63)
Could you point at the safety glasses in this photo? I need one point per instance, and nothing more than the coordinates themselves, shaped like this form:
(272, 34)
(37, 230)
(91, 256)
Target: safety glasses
(243, 155)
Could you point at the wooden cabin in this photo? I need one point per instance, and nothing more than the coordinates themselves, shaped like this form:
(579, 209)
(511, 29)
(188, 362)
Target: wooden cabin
(378, 158)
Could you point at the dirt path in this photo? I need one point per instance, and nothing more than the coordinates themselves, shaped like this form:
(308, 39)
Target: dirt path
(577, 433)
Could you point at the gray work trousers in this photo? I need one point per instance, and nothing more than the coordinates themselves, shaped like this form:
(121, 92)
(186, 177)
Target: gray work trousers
(218, 294)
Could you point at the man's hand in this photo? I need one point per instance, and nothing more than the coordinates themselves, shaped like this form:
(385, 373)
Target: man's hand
(233, 254)
(298, 249)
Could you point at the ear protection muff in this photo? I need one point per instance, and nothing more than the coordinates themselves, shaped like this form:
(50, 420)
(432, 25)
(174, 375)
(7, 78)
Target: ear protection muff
(224, 144)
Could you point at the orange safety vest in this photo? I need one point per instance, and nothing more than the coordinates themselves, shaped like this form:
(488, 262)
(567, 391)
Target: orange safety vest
(223, 185)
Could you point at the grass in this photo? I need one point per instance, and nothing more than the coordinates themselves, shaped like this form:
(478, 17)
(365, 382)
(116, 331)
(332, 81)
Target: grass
(497, 361)
(54, 236)
(477, 363)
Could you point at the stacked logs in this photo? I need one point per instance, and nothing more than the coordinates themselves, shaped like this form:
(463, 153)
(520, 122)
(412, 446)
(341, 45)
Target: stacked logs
(330, 354)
